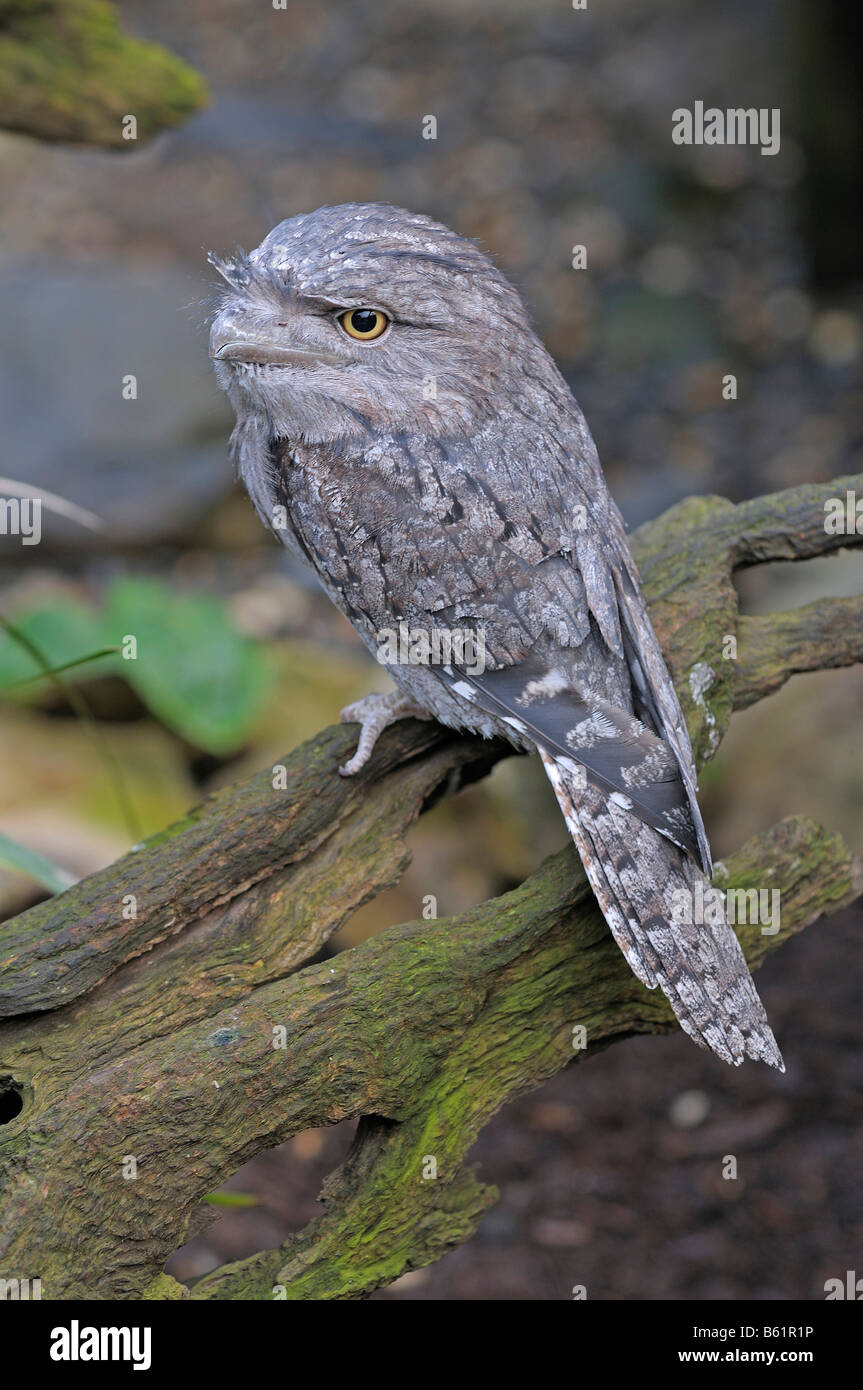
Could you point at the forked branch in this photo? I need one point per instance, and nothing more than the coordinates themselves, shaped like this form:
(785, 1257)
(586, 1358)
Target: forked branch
(196, 1033)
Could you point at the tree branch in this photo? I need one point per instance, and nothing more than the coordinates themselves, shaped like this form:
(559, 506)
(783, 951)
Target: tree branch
(822, 636)
(198, 1032)
(68, 73)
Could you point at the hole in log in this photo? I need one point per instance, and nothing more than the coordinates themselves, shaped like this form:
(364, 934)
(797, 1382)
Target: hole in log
(468, 848)
(11, 1099)
(283, 1184)
(780, 585)
(765, 767)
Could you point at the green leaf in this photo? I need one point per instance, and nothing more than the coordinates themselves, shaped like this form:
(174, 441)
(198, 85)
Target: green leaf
(37, 657)
(27, 861)
(231, 1199)
(192, 668)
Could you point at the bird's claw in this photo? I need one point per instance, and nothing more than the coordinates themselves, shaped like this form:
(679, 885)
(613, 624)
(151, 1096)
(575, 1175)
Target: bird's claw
(374, 713)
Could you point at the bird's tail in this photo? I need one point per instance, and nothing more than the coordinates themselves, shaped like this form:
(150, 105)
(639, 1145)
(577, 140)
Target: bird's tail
(639, 879)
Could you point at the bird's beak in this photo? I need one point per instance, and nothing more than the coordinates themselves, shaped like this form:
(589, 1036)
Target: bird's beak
(247, 350)
(231, 341)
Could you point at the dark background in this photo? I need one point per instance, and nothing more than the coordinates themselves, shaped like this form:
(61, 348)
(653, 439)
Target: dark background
(554, 128)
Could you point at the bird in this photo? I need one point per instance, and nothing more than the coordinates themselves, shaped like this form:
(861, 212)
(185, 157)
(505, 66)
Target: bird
(403, 430)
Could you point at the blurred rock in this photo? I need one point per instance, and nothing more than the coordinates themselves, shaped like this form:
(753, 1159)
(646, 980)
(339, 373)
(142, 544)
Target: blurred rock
(150, 467)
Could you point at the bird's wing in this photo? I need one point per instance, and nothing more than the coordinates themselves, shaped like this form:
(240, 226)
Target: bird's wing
(535, 557)
(600, 550)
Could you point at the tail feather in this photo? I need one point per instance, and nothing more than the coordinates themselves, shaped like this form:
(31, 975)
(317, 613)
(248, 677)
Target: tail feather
(612, 898)
(635, 873)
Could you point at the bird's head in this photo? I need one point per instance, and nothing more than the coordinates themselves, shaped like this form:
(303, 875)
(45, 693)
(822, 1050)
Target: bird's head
(365, 318)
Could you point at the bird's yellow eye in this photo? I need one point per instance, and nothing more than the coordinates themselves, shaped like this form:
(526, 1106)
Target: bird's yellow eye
(364, 324)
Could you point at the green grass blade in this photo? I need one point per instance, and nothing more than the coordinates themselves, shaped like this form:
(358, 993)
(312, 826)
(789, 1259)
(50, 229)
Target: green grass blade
(34, 865)
(56, 670)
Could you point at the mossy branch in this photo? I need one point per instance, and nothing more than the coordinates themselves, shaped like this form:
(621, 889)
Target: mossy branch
(195, 1033)
(68, 73)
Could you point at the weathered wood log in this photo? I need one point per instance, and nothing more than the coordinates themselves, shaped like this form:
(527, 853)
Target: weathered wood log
(68, 73)
(195, 1033)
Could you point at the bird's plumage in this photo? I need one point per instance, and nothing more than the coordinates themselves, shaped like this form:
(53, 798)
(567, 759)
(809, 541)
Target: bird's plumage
(444, 477)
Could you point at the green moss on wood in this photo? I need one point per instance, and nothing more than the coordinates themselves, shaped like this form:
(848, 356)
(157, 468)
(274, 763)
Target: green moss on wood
(68, 73)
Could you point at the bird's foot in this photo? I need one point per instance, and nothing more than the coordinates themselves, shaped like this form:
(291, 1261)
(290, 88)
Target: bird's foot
(375, 713)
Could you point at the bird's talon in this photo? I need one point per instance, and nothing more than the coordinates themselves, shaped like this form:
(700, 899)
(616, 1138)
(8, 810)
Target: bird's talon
(352, 766)
(373, 713)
